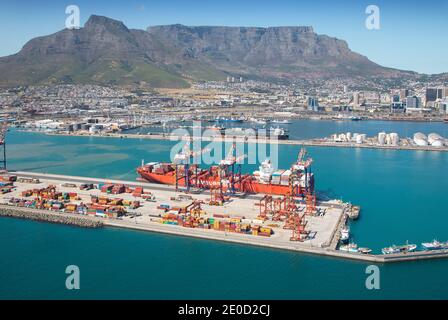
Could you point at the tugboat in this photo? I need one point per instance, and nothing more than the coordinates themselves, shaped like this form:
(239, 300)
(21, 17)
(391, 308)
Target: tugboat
(399, 249)
(345, 235)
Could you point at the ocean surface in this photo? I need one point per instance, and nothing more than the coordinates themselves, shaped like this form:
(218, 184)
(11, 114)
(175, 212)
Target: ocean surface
(402, 195)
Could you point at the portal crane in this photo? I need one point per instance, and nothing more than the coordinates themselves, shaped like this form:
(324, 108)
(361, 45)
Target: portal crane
(302, 170)
(184, 159)
(229, 163)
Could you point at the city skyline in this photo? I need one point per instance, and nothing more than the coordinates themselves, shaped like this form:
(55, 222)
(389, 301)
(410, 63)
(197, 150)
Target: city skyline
(398, 44)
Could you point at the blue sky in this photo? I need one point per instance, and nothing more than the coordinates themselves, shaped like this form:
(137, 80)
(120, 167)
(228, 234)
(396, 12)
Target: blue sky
(413, 34)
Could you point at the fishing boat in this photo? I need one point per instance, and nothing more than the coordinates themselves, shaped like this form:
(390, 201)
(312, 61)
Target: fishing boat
(399, 249)
(364, 250)
(351, 248)
(345, 235)
(435, 245)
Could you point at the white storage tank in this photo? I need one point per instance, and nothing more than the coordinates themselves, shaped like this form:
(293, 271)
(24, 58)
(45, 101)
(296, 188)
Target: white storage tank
(420, 139)
(349, 136)
(437, 143)
(388, 139)
(434, 137)
(395, 139)
(360, 139)
(382, 138)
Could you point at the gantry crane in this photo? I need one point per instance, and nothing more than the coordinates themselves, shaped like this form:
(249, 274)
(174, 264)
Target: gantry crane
(227, 167)
(184, 159)
(302, 169)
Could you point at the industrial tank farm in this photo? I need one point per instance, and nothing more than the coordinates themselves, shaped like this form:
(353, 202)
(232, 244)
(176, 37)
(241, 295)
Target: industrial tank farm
(432, 142)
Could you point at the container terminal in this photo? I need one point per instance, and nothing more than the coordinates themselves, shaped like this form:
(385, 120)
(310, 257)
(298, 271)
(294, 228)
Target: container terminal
(270, 209)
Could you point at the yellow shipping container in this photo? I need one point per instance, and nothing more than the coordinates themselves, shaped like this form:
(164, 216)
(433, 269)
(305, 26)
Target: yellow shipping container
(266, 230)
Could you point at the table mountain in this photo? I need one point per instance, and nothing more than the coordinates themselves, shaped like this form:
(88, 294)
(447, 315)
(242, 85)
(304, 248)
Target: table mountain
(105, 51)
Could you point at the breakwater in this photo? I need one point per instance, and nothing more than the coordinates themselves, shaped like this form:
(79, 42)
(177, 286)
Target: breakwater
(39, 215)
(302, 142)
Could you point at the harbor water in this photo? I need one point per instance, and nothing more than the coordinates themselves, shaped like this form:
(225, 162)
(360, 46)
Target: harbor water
(401, 194)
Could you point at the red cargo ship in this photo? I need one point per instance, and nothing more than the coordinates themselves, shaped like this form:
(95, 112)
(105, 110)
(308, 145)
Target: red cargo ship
(266, 180)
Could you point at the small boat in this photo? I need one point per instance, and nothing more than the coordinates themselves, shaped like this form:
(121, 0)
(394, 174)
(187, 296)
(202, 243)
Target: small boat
(351, 248)
(345, 235)
(231, 120)
(399, 249)
(435, 245)
(364, 250)
(281, 122)
(278, 132)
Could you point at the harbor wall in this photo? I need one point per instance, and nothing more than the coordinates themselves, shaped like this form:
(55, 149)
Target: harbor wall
(37, 215)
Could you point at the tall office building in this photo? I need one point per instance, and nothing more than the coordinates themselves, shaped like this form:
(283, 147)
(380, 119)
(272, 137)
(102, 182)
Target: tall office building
(444, 92)
(432, 94)
(404, 93)
(413, 102)
(356, 99)
(313, 104)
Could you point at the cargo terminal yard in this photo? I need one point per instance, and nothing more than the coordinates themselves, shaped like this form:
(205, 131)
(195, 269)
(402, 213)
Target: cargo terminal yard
(156, 213)
(269, 208)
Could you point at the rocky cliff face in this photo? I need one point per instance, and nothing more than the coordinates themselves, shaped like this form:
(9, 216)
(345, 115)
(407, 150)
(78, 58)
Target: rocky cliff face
(276, 52)
(105, 51)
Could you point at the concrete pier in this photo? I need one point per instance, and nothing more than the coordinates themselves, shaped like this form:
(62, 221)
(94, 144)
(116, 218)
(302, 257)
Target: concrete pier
(308, 142)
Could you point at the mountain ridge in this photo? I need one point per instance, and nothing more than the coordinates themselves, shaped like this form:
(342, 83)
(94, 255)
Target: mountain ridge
(105, 51)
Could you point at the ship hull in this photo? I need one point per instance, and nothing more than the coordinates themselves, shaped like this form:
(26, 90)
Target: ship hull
(251, 186)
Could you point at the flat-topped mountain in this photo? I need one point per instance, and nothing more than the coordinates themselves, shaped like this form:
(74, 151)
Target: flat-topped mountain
(105, 51)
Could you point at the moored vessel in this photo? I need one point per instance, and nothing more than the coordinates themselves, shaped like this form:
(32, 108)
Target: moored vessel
(435, 245)
(351, 248)
(345, 235)
(298, 180)
(399, 249)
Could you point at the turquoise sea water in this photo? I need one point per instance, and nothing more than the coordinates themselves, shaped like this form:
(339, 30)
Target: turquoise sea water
(402, 194)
